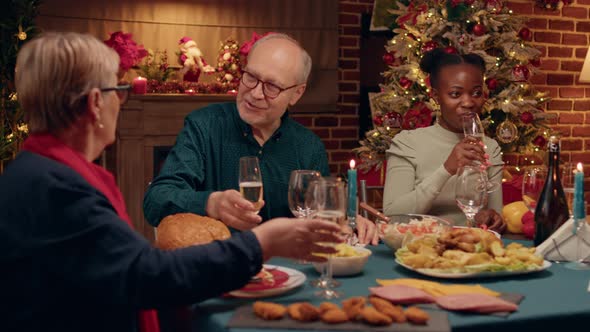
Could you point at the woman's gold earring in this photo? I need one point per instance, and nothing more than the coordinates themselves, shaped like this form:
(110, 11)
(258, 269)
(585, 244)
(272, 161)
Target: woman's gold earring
(100, 125)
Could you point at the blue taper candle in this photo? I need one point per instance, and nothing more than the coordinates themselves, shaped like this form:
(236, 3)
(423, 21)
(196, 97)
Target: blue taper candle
(352, 190)
(579, 204)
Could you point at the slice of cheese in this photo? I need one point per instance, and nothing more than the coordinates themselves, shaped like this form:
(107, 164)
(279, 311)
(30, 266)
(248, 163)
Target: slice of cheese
(438, 289)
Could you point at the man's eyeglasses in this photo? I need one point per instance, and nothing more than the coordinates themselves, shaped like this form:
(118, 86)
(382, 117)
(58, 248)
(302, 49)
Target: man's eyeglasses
(270, 90)
(121, 90)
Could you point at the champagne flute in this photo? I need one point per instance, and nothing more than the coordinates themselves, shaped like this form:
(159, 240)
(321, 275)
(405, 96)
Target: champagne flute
(533, 180)
(327, 198)
(298, 184)
(470, 191)
(472, 127)
(567, 181)
(250, 181)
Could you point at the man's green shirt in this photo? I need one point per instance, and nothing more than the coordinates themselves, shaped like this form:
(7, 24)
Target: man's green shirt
(206, 156)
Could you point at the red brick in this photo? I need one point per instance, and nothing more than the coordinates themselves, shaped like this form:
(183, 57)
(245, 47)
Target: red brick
(333, 168)
(348, 87)
(520, 8)
(583, 2)
(549, 64)
(352, 19)
(305, 121)
(540, 78)
(351, 75)
(537, 23)
(553, 91)
(349, 41)
(560, 52)
(353, 31)
(322, 133)
(587, 92)
(348, 108)
(561, 25)
(571, 144)
(545, 12)
(353, 8)
(560, 79)
(574, 39)
(575, 12)
(325, 121)
(542, 49)
(560, 105)
(571, 118)
(571, 92)
(341, 156)
(350, 98)
(348, 64)
(572, 66)
(581, 131)
(581, 157)
(349, 111)
(587, 145)
(349, 144)
(349, 121)
(583, 27)
(344, 133)
(331, 144)
(350, 53)
(564, 131)
(547, 37)
(582, 105)
(581, 52)
(551, 118)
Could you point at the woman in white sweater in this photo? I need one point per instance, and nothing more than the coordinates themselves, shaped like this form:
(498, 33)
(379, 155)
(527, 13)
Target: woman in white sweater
(422, 163)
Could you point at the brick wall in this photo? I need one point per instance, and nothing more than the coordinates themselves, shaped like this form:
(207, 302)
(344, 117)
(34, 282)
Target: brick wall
(562, 36)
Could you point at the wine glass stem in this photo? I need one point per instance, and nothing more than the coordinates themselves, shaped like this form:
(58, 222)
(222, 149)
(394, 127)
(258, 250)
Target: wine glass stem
(470, 217)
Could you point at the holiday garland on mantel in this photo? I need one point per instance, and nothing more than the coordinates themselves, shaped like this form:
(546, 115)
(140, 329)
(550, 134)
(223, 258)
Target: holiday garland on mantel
(513, 113)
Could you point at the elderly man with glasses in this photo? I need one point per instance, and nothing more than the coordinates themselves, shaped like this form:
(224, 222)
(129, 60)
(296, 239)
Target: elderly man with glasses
(200, 174)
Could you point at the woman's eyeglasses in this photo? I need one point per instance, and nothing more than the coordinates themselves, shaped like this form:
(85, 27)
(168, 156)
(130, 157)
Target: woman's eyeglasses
(121, 90)
(270, 90)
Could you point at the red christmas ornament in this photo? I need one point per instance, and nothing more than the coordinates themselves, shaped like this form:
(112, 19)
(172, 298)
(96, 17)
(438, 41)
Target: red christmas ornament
(393, 120)
(450, 50)
(429, 46)
(492, 84)
(479, 29)
(520, 73)
(535, 62)
(525, 34)
(405, 83)
(540, 141)
(388, 58)
(527, 117)
(378, 120)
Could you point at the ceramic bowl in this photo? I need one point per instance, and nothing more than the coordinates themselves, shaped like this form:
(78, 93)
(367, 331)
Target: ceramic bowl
(347, 266)
(404, 228)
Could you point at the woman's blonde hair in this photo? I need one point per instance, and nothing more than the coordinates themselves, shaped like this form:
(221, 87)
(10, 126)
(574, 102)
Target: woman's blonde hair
(54, 74)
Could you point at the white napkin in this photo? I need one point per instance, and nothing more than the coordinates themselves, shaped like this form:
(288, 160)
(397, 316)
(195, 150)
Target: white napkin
(563, 244)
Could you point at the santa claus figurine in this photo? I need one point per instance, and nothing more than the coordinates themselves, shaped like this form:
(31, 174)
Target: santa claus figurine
(192, 60)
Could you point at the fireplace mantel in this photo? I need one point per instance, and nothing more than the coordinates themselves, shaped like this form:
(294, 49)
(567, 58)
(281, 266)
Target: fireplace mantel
(147, 122)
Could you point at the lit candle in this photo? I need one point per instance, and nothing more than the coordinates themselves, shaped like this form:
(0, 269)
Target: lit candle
(579, 204)
(139, 85)
(351, 210)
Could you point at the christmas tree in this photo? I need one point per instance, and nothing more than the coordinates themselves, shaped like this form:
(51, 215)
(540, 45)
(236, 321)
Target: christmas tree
(512, 114)
(229, 69)
(16, 28)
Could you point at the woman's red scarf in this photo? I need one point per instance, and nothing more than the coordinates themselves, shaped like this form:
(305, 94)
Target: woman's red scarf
(49, 146)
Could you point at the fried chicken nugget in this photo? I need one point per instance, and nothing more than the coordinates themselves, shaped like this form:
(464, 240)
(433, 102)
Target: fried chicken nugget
(416, 315)
(334, 316)
(385, 307)
(325, 306)
(374, 317)
(269, 310)
(303, 312)
(353, 306)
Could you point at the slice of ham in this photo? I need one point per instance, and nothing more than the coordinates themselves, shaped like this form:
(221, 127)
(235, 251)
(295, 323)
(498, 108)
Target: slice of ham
(475, 302)
(400, 294)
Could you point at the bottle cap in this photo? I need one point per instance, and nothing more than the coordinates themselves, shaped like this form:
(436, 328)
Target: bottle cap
(553, 144)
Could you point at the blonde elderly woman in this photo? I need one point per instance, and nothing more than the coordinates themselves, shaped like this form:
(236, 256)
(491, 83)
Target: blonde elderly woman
(72, 261)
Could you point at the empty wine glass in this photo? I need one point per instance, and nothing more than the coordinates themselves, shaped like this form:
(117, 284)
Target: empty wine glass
(472, 127)
(327, 199)
(470, 191)
(250, 181)
(533, 180)
(298, 184)
(567, 181)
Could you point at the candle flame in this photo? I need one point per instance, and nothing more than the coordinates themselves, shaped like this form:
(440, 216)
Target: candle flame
(352, 163)
(579, 167)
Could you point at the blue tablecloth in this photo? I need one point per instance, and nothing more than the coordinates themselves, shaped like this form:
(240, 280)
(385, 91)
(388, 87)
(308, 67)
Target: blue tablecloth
(556, 298)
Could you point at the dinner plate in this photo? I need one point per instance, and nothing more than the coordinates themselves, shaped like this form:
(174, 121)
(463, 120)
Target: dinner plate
(296, 279)
(441, 273)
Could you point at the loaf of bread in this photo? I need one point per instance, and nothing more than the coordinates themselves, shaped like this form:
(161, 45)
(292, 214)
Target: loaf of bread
(186, 229)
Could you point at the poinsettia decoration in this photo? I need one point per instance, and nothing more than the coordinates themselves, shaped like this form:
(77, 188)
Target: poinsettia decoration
(128, 50)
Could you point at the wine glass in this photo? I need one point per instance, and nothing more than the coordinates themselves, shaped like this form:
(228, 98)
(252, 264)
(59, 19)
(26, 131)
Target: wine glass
(250, 181)
(472, 127)
(298, 184)
(470, 191)
(326, 197)
(567, 181)
(533, 180)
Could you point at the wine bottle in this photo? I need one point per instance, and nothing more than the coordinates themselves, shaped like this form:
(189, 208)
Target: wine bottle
(552, 210)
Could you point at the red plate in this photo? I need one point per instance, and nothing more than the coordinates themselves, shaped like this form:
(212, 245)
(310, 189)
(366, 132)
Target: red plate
(268, 279)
